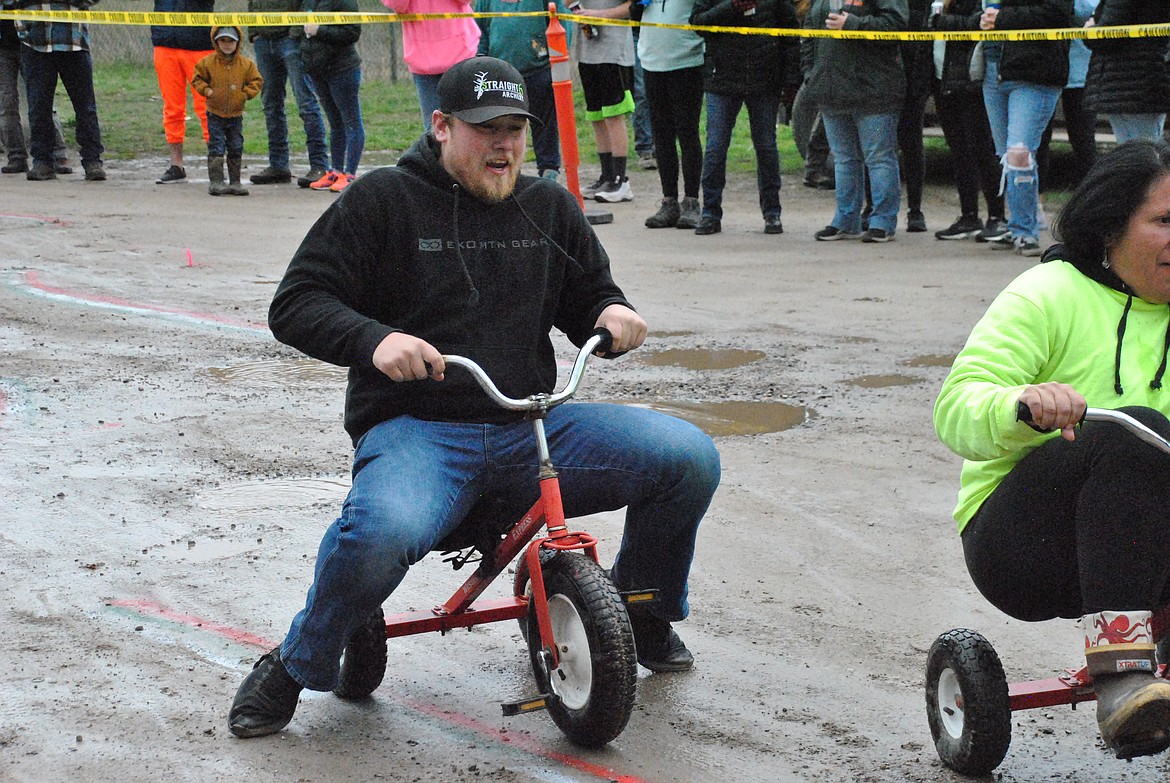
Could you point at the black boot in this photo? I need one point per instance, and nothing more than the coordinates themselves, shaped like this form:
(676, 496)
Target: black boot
(266, 699)
(659, 647)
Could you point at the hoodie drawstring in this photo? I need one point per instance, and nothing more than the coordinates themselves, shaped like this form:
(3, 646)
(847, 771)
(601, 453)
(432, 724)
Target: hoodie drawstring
(1156, 383)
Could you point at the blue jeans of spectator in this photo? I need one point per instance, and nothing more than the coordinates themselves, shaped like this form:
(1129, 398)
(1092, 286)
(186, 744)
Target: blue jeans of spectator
(75, 70)
(225, 134)
(339, 96)
(865, 143)
(414, 481)
(279, 62)
(546, 141)
(722, 111)
(427, 87)
(1018, 113)
(1127, 127)
(643, 136)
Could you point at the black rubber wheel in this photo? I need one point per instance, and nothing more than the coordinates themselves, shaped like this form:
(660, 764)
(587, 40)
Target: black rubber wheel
(967, 702)
(363, 664)
(595, 681)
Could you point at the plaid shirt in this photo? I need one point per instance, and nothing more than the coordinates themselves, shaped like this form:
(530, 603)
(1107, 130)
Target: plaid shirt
(53, 36)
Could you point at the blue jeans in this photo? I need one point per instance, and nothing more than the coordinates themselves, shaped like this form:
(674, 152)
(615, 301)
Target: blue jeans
(414, 481)
(861, 143)
(1127, 127)
(75, 70)
(339, 95)
(225, 134)
(643, 136)
(279, 61)
(722, 111)
(1018, 113)
(427, 87)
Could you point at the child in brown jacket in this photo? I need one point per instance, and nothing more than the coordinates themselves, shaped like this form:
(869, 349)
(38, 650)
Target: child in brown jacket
(228, 80)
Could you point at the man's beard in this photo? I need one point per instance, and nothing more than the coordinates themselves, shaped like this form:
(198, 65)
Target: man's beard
(491, 189)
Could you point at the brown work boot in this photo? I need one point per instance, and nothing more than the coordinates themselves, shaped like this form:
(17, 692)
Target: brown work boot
(1133, 705)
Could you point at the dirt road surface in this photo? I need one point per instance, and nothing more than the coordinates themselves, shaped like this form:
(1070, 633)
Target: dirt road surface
(167, 469)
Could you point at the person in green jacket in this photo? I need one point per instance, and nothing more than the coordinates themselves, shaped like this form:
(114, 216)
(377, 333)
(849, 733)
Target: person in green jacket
(1066, 520)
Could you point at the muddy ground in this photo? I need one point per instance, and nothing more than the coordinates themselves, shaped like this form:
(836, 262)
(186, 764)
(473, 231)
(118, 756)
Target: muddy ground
(167, 468)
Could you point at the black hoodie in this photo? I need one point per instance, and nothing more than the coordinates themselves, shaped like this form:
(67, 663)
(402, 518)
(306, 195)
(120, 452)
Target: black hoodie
(407, 249)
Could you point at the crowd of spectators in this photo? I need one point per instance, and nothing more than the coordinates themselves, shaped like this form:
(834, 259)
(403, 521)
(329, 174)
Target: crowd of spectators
(856, 107)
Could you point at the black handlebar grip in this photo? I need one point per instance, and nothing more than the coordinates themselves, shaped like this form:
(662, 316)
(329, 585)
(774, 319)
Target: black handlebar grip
(606, 339)
(1023, 413)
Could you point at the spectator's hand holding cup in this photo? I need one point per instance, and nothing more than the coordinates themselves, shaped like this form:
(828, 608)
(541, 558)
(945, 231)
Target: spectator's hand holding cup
(311, 30)
(990, 12)
(837, 16)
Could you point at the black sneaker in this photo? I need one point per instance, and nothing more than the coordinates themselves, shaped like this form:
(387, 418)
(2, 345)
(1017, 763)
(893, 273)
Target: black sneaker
(832, 234)
(995, 229)
(876, 235)
(658, 647)
(271, 175)
(915, 221)
(614, 191)
(266, 699)
(172, 175)
(15, 167)
(965, 227)
(313, 175)
(772, 225)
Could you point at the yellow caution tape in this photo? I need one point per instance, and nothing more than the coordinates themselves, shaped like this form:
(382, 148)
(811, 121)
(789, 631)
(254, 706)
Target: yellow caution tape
(288, 19)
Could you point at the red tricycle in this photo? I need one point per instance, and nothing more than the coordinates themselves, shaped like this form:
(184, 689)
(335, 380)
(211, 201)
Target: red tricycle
(573, 618)
(968, 699)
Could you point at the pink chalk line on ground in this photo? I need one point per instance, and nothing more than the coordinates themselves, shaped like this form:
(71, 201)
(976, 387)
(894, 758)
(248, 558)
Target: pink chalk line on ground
(30, 282)
(37, 218)
(527, 744)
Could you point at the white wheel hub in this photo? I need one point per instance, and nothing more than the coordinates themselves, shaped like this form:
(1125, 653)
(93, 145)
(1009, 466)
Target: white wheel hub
(572, 680)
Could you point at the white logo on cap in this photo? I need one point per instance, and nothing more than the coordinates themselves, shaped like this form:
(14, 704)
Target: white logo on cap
(510, 90)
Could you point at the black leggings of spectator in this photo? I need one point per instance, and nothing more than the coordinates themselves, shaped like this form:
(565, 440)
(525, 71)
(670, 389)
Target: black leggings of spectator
(1082, 137)
(911, 147)
(676, 101)
(963, 118)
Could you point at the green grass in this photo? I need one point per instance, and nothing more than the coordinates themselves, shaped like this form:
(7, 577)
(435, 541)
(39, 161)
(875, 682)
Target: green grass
(130, 111)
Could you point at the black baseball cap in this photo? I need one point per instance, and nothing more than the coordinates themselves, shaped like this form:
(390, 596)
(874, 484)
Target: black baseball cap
(482, 88)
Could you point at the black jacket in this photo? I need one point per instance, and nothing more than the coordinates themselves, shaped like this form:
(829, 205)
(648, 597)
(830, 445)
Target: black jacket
(334, 48)
(190, 38)
(1129, 76)
(406, 249)
(736, 64)
(856, 76)
(1038, 62)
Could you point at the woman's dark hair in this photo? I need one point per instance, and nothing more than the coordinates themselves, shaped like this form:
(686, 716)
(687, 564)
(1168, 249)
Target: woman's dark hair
(1099, 209)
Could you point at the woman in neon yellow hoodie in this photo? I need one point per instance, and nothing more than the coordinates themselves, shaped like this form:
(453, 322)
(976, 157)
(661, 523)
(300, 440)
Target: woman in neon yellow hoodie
(1077, 525)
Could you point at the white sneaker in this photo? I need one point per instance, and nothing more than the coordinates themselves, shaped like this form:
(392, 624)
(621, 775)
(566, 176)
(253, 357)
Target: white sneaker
(589, 191)
(614, 191)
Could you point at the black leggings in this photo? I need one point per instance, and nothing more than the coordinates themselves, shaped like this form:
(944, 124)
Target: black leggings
(1077, 528)
(675, 99)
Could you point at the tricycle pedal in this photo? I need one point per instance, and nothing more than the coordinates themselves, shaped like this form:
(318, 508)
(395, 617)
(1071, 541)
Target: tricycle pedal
(638, 596)
(523, 706)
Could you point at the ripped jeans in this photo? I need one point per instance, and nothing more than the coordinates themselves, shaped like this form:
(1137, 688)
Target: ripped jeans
(1018, 113)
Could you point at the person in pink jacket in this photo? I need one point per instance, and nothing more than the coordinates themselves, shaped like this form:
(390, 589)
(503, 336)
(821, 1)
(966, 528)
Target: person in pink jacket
(431, 46)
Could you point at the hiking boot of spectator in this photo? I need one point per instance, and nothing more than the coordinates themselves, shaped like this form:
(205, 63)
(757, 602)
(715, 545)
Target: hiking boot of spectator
(772, 225)
(15, 167)
(271, 175)
(915, 221)
(708, 225)
(666, 216)
(62, 167)
(688, 213)
(647, 161)
(40, 172)
(94, 171)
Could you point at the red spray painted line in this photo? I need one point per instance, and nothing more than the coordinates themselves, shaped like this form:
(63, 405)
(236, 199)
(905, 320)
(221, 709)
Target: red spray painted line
(234, 634)
(524, 743)
(41, 218)
(528, 745)
(32, 279)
